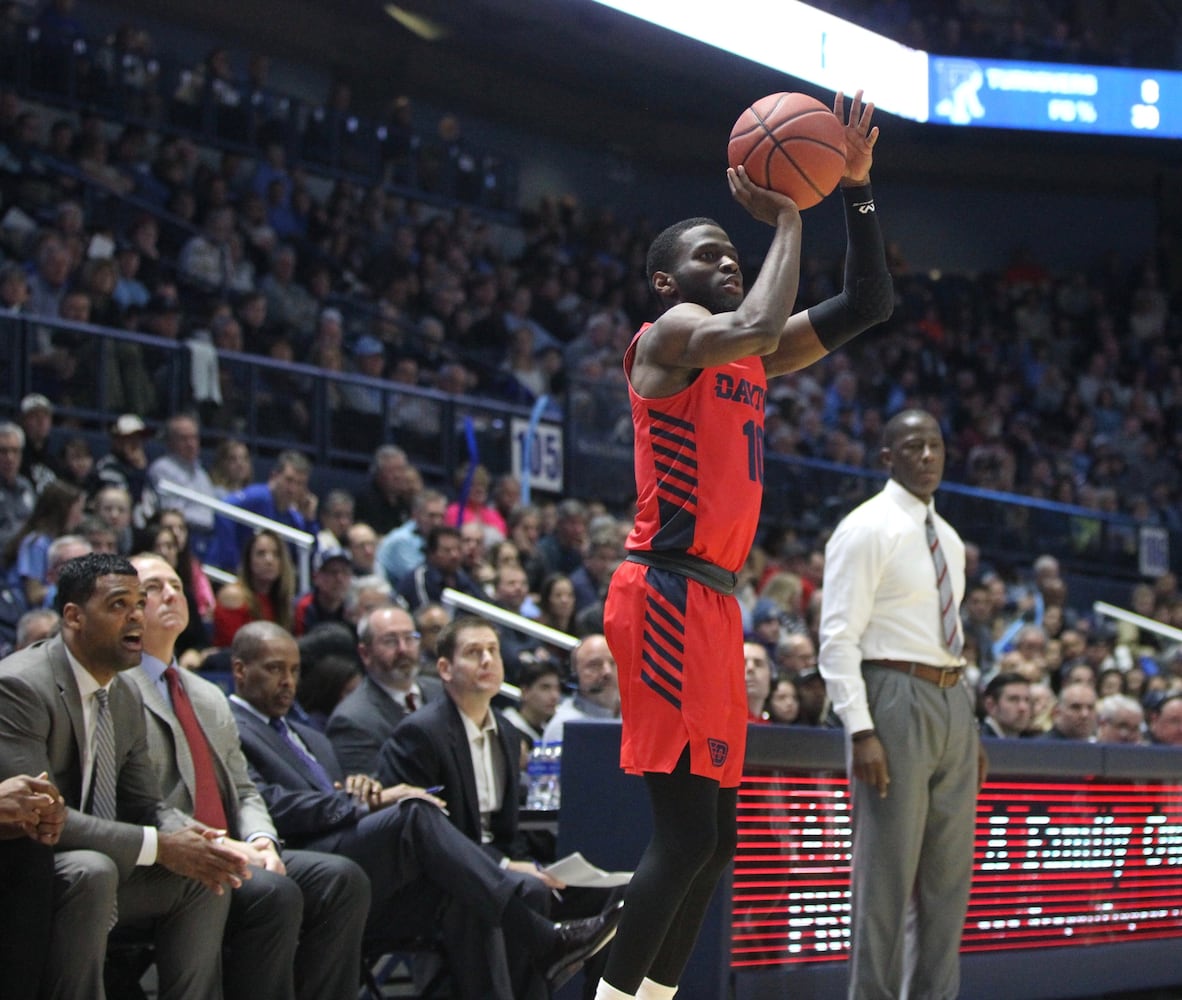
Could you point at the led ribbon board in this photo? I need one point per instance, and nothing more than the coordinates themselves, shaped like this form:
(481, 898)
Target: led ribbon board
(1064, 863)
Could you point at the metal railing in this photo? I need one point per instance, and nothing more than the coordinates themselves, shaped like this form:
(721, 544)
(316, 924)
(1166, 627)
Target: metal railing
(440, 431)
(303, 541)
(338, 419)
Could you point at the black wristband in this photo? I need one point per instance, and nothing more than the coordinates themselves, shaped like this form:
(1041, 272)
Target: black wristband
(868, 296)
(865, 734)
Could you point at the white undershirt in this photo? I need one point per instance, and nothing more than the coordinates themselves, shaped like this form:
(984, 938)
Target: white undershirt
(489, 769)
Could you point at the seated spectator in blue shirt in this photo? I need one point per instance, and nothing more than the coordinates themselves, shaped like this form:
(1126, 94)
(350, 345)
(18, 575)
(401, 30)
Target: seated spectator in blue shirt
(284, 497)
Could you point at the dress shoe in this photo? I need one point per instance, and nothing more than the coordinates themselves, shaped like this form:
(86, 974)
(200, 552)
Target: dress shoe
(577, 941)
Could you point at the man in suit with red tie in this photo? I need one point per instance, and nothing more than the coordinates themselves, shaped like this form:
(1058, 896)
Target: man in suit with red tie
(891, 658)
(294, 929)
(123, 856)
(416, 860)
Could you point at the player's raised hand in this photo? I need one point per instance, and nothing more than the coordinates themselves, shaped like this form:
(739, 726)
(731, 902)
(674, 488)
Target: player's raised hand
(763, 203)
(860, 137)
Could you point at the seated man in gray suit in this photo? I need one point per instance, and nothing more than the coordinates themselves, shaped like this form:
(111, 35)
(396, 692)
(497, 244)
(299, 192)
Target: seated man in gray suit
(316, 901)
(389, 648)
(416, 860)
(123, 854)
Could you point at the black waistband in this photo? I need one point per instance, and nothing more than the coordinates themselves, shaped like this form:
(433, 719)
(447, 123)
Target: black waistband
(682, 563)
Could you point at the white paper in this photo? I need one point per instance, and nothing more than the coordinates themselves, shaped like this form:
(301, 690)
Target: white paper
(576, 870)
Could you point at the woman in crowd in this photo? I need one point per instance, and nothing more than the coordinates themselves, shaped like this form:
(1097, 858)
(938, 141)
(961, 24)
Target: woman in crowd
(264, 590)
(167, 535)
(476, 505)
(556, 602)
(783, 702)
(232, 467)
(57, 511)
(188, 566)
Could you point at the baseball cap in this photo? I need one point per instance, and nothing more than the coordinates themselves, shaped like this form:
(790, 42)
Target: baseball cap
(367, 347)
(35, 401)
(765, 611)
(327, 555)
(127, 425)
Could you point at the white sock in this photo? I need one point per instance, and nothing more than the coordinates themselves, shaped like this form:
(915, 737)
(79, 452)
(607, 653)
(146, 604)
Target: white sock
(605, 991)
(655, 991)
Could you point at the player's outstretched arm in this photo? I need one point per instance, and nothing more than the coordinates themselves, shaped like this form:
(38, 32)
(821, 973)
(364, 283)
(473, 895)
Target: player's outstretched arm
(867, 297)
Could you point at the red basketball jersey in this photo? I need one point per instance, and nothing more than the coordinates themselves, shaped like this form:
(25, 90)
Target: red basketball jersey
(699, 463)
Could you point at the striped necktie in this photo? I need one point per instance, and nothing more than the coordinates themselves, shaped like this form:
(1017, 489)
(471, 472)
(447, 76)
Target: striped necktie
(949, 619)
(103, 786)
(102, 790)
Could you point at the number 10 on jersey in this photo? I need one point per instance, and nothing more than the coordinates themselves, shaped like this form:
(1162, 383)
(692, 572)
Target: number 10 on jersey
(754, 435)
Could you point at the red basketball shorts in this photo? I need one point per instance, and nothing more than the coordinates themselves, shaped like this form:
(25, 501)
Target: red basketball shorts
(679, 654)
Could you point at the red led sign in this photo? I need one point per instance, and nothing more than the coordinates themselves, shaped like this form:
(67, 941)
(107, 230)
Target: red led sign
(1055, 864)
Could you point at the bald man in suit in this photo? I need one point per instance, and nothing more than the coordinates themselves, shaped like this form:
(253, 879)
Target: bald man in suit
(122, 850)
(295, 928)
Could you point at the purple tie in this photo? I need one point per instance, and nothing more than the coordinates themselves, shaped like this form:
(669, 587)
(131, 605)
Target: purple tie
(315, 769)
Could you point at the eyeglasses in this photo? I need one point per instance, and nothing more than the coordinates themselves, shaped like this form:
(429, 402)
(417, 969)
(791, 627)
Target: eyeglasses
(1120, 726)
(397, 639)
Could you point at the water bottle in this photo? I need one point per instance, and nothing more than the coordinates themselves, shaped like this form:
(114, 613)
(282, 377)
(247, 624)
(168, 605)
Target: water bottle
(555, 768)
(536, 776)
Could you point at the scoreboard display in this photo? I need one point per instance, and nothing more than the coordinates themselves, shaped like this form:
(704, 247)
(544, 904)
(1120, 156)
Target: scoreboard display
(1055, 97)
(1056, 863)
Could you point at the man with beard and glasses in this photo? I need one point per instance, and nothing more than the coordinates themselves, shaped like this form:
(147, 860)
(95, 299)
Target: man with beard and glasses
(389, 648)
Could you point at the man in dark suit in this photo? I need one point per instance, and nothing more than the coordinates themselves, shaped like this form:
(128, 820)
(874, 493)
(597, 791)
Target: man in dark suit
(389, 648)
(464, 745)
(122, 851)
(415, 858)
(316, 901)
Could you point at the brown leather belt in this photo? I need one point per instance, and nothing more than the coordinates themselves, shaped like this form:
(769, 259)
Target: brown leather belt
(942, 677)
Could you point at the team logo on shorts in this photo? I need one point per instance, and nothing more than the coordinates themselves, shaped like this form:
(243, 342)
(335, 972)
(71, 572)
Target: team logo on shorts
(718, 751)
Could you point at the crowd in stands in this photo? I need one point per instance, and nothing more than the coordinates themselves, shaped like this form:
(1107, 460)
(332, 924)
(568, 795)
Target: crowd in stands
(1064, 386)
(548, 561)
(1061, 385)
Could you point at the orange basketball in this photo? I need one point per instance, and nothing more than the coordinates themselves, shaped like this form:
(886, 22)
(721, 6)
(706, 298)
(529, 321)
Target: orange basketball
(790, 143)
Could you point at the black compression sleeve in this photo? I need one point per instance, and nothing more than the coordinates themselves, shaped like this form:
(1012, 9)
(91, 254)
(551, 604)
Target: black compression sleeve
(868, 296)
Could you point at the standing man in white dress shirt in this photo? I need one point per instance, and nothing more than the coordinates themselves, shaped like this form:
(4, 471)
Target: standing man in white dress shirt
(890, 656)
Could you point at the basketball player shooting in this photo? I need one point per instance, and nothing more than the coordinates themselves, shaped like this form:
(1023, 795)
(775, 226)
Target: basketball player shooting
(697, 384)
